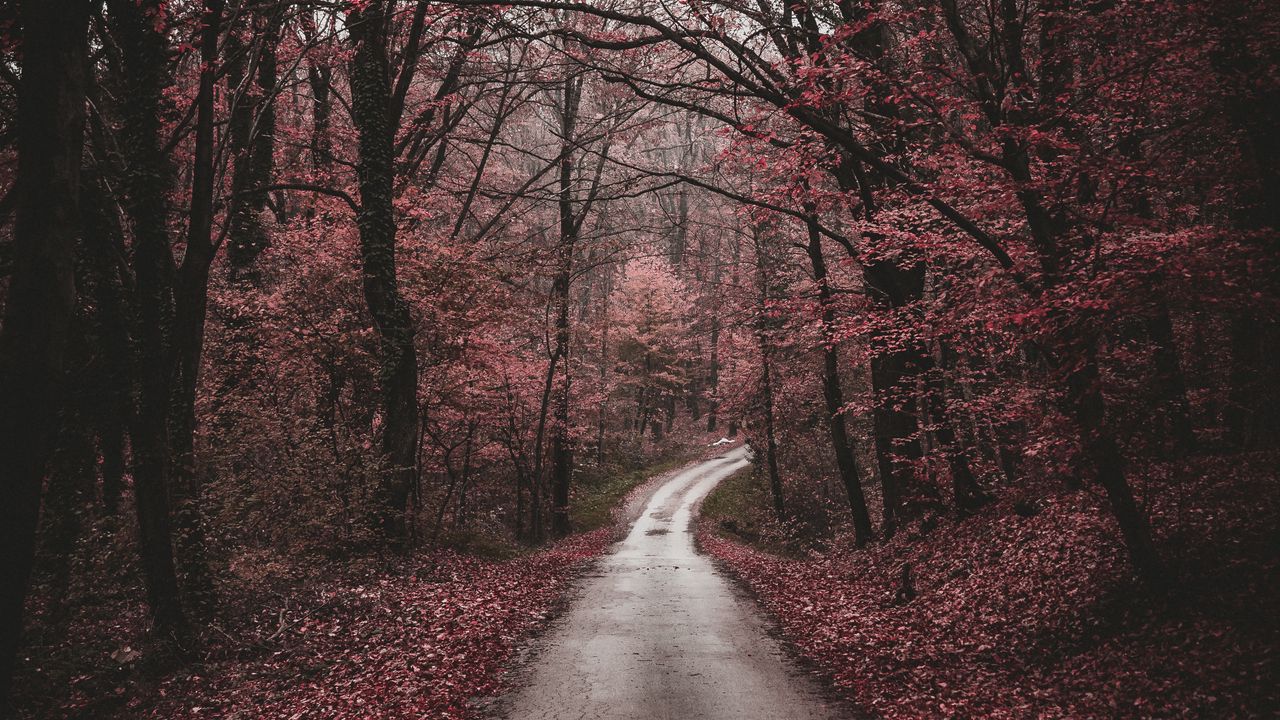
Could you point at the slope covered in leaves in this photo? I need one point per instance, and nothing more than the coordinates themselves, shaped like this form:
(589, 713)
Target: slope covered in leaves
(418, 643)
(1021, 617)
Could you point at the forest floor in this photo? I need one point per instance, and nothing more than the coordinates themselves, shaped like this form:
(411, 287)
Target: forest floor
(1024, 610)
(412, 642)
(1029, 610)
(419, 636)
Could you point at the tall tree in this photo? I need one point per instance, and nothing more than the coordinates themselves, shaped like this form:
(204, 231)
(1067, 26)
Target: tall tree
(41, 300)
(765, 268)
(139, 31)
(376, 113)
(832, 390)
(190, 310)
(566, 247)
(1010, 105)
(251, 70)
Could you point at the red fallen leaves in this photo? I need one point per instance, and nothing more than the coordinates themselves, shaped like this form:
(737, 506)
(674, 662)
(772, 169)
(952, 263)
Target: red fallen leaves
(416, 645)
(1034, 617)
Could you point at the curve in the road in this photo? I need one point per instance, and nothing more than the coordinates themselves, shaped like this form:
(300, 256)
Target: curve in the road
(657, 633)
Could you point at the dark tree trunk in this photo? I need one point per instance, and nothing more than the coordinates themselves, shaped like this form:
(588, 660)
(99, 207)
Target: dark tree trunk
(144, 53)
(41, 298)
(372, 114)
(1170, 381)
(713, 378)
(111, 443)
(967, 494)
(191, 307)
(561, 449)
(1059, 253)
(603, 411)
(103, 248)
(764, 272)
(680, 232)
(771, 443)
(539, 444)
(1085, 403)
(1083, 392)
(1254, 107)
(713, 370)
(1240, 417)
(252, 131)
(770, 436)
(561, 445)
(1103, 455)
(890, 285)
(1002, 436)
(1100, 452)
(897, 442)
(319, 77)
(846, 461)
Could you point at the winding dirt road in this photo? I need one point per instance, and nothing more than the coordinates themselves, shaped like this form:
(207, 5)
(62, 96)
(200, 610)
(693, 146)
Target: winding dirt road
(656, 633)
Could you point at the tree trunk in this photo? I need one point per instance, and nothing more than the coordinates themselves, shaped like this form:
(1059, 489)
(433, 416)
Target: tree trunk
(966, 493)
(603, 411)
(895, 426)
(319, 77)
(252, 132)
(1170, 382)
(890, 286)
(1059, 254)
(191, 307)
(103, 245)
(846, 461)
(372, 115)
(1252, 106)
(713, 378)
(1240, 417)
(1103, 455)
(713, 371)
(561, 447)
(41, 297)
(770, 436)
(145, 66)
(764, 272)
(539, 442)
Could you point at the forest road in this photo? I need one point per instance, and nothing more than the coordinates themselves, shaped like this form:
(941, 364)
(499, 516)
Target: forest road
(655, 632)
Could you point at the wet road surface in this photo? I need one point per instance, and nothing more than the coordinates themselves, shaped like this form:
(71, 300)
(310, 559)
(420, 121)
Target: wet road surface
(655, 632)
